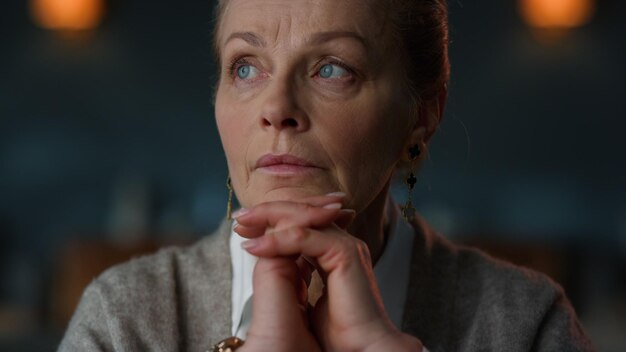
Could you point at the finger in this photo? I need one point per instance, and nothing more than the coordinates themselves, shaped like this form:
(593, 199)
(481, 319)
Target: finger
(343, 220)
(249, 231)
(330, 247)
(317, 201)
(272, 214)
(344, 259)
(320, 201)
(279, 322)
(350, 286)
(275, 299)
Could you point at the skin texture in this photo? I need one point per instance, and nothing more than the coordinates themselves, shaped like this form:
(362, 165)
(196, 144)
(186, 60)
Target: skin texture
(354, 126)
(348, 317)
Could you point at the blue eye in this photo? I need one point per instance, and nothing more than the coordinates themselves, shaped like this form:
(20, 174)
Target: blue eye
(332, 71)
(247, 72)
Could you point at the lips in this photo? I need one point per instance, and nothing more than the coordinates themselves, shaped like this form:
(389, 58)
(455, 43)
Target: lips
(272, 160)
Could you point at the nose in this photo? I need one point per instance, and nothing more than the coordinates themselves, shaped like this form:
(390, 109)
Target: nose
(281, 110)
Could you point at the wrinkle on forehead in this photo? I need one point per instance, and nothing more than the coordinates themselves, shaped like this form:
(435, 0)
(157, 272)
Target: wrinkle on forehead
(291, 20)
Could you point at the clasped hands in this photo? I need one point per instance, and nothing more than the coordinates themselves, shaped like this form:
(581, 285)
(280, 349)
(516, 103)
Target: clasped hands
(349, 316)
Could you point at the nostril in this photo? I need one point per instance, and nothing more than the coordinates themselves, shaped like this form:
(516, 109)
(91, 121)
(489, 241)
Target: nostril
(290, 122)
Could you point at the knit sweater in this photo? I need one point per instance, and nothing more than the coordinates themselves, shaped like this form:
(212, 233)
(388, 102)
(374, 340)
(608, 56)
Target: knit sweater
(459, 299)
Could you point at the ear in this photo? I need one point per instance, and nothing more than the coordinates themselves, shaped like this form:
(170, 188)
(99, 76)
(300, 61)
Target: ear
(429, 117)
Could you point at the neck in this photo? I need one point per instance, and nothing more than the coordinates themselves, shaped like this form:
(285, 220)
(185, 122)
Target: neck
(371, 225)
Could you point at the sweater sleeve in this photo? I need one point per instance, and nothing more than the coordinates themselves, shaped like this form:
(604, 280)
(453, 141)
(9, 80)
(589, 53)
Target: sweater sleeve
(560, 329)
(88, 330)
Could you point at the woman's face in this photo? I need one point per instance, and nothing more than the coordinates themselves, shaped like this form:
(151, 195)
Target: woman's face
(311, 100)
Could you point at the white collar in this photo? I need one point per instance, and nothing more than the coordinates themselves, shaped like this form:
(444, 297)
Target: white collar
(391, 272)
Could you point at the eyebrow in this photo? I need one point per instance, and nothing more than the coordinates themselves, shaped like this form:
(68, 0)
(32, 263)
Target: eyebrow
(249, 37)
(317, 38)
(323, 37)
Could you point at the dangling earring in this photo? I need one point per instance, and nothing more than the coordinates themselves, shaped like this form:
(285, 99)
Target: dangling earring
(408, 210)
(229, 205)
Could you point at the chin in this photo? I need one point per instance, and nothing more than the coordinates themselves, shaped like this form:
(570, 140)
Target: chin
(294, 194)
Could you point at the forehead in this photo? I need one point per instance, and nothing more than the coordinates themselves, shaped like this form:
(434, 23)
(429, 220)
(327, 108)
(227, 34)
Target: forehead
(280, 20)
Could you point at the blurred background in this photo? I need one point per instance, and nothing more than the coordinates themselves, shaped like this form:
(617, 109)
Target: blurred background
(108, 148)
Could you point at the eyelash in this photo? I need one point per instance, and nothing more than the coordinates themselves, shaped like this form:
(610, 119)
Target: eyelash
(240, 61)
(235, 64)
(334, 62)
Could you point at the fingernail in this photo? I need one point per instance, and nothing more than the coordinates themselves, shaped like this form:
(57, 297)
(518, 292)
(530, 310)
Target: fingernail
(336, 194)
(248, 244)
(239, 212)
(332, 206)
(347, 211)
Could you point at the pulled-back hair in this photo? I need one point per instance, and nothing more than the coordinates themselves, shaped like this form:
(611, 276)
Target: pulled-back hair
(420, 27)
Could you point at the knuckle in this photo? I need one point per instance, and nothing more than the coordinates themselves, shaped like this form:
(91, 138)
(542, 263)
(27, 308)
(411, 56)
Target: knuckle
(343, 252)
(297, 234)
(310, 213)
(304, 206)
(352, 245)
(364, 252)
(361, 246)
(348, 251)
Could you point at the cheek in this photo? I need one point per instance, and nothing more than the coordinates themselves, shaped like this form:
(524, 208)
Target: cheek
(365, 142)
(231, 128)
(234, 142)
(224, 127)
(369, 146)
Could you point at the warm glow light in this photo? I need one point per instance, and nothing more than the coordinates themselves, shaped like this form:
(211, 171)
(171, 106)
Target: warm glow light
(67, 14)
(556, 13)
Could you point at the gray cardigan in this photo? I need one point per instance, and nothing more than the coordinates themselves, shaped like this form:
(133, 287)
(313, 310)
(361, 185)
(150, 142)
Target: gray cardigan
(459, 299)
